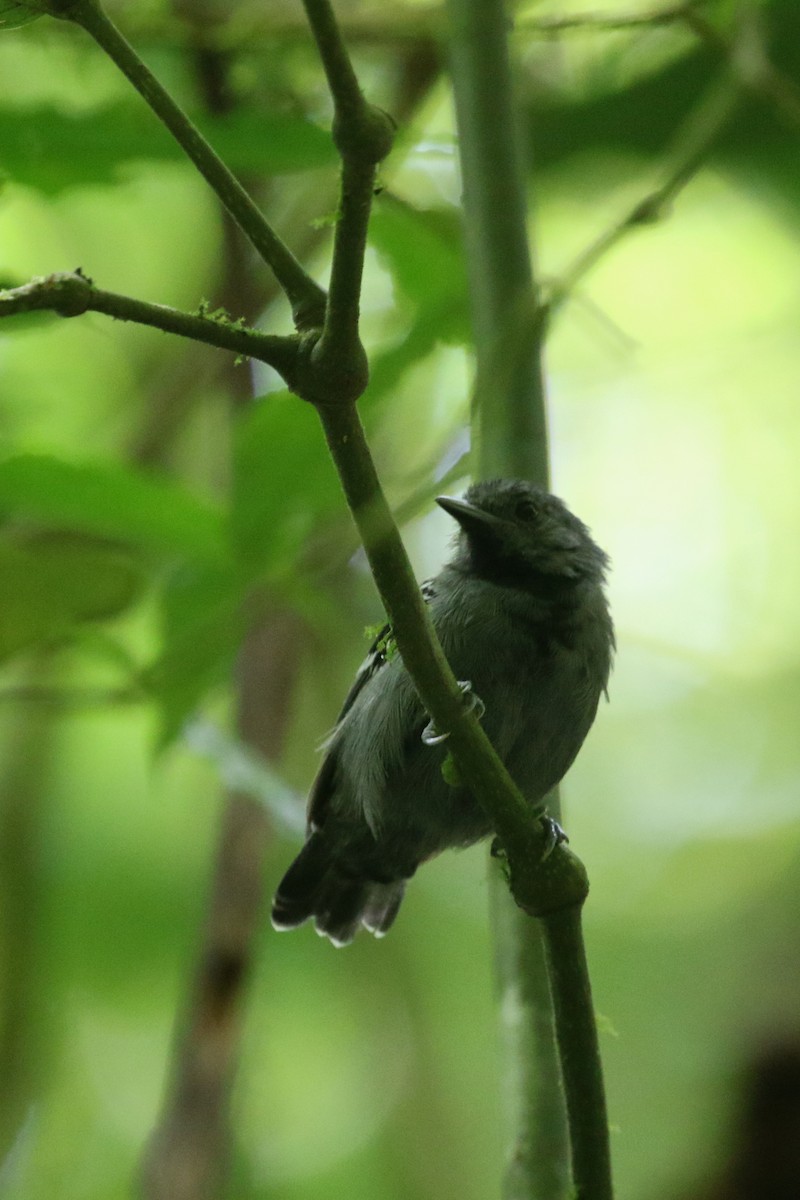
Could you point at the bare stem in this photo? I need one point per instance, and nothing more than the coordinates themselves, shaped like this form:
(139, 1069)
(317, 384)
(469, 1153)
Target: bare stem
(363, 135)
(71, 294)
(694, 144)
(509, 423)
(746, 54)
(580, 1058)
(305, 296)
(342, 82)
(671, 14)
(511, 434)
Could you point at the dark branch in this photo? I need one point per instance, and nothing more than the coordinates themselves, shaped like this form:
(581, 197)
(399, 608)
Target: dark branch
(305, 296)
(71, 294)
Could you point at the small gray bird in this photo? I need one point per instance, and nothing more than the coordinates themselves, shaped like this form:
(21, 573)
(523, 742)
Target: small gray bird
(521, 614)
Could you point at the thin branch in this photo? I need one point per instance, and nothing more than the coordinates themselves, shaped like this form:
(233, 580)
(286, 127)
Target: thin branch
(305, 296)
(582, 1074)
(536, 1139)
(539, 883)
(747, 56)
(244, 770)
(363, 135)
(672, 14)
(71, 294)
(751, 71)
(697, 140)
(348, 99)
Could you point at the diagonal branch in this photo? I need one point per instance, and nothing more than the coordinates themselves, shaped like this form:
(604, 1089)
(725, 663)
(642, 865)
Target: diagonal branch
(305, 296)
(540, 883)
(696, 142)
(747, 56)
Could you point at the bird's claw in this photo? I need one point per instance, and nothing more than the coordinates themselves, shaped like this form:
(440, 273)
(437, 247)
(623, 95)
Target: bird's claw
(554, 834)
(431, 735)
(473, 703)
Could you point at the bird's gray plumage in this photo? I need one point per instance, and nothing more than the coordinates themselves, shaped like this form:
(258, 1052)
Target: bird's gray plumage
(521, 614)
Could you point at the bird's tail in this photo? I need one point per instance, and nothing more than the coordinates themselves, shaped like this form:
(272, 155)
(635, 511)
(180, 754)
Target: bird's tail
(315, 886)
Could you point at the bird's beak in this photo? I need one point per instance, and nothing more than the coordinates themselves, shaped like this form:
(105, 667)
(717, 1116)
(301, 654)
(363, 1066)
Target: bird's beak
(468, 516)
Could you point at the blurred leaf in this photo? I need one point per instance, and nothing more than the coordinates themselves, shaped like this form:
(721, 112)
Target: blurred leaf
(284, 482)
(49, 149)
(390, 365)
(112, 501)
(49, 584)
(203, 624)
(424, 251)
(29, 322)
(14, 15)
(634, 103)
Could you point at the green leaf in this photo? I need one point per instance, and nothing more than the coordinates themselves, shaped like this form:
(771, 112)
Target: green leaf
(14, 15)
(284, 484)
(423, 249)
(49, 149)
(203, 626)
(49, 584)
(450, 772)
(111, 501)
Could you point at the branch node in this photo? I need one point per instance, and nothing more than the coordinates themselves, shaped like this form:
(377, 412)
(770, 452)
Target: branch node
(542, 884)
(648, 211)
(72, 293)
(365, 135)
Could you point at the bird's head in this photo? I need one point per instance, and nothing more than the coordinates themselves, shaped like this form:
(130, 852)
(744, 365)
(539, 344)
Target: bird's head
(518, 534)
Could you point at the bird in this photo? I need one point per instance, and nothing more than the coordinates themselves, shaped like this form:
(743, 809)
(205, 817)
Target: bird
(522, 615)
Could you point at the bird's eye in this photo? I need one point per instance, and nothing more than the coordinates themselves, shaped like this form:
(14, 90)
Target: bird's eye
(525, 510)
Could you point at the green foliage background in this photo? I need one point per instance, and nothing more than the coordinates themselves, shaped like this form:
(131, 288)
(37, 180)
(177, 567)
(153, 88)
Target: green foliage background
(138, 506)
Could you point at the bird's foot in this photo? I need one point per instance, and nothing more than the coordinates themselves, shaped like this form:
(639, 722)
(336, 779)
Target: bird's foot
(472, 702)
(554, 834)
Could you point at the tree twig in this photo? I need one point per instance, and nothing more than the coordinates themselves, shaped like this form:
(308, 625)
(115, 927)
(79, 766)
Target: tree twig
(363, 136)
(577, 1031)
(304, 294)
(71, 294)
(549, 26)
(695, 143)
(747, 57)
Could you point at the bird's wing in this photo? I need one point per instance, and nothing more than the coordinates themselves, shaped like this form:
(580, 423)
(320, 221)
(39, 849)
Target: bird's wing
(379, 653)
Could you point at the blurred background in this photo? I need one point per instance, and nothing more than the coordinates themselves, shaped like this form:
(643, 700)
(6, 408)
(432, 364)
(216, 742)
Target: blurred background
(152, 512)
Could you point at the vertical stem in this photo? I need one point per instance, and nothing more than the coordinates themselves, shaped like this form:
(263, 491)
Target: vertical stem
(583, 1078)
(510, 439)
(537, 1158)
(509, 422)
